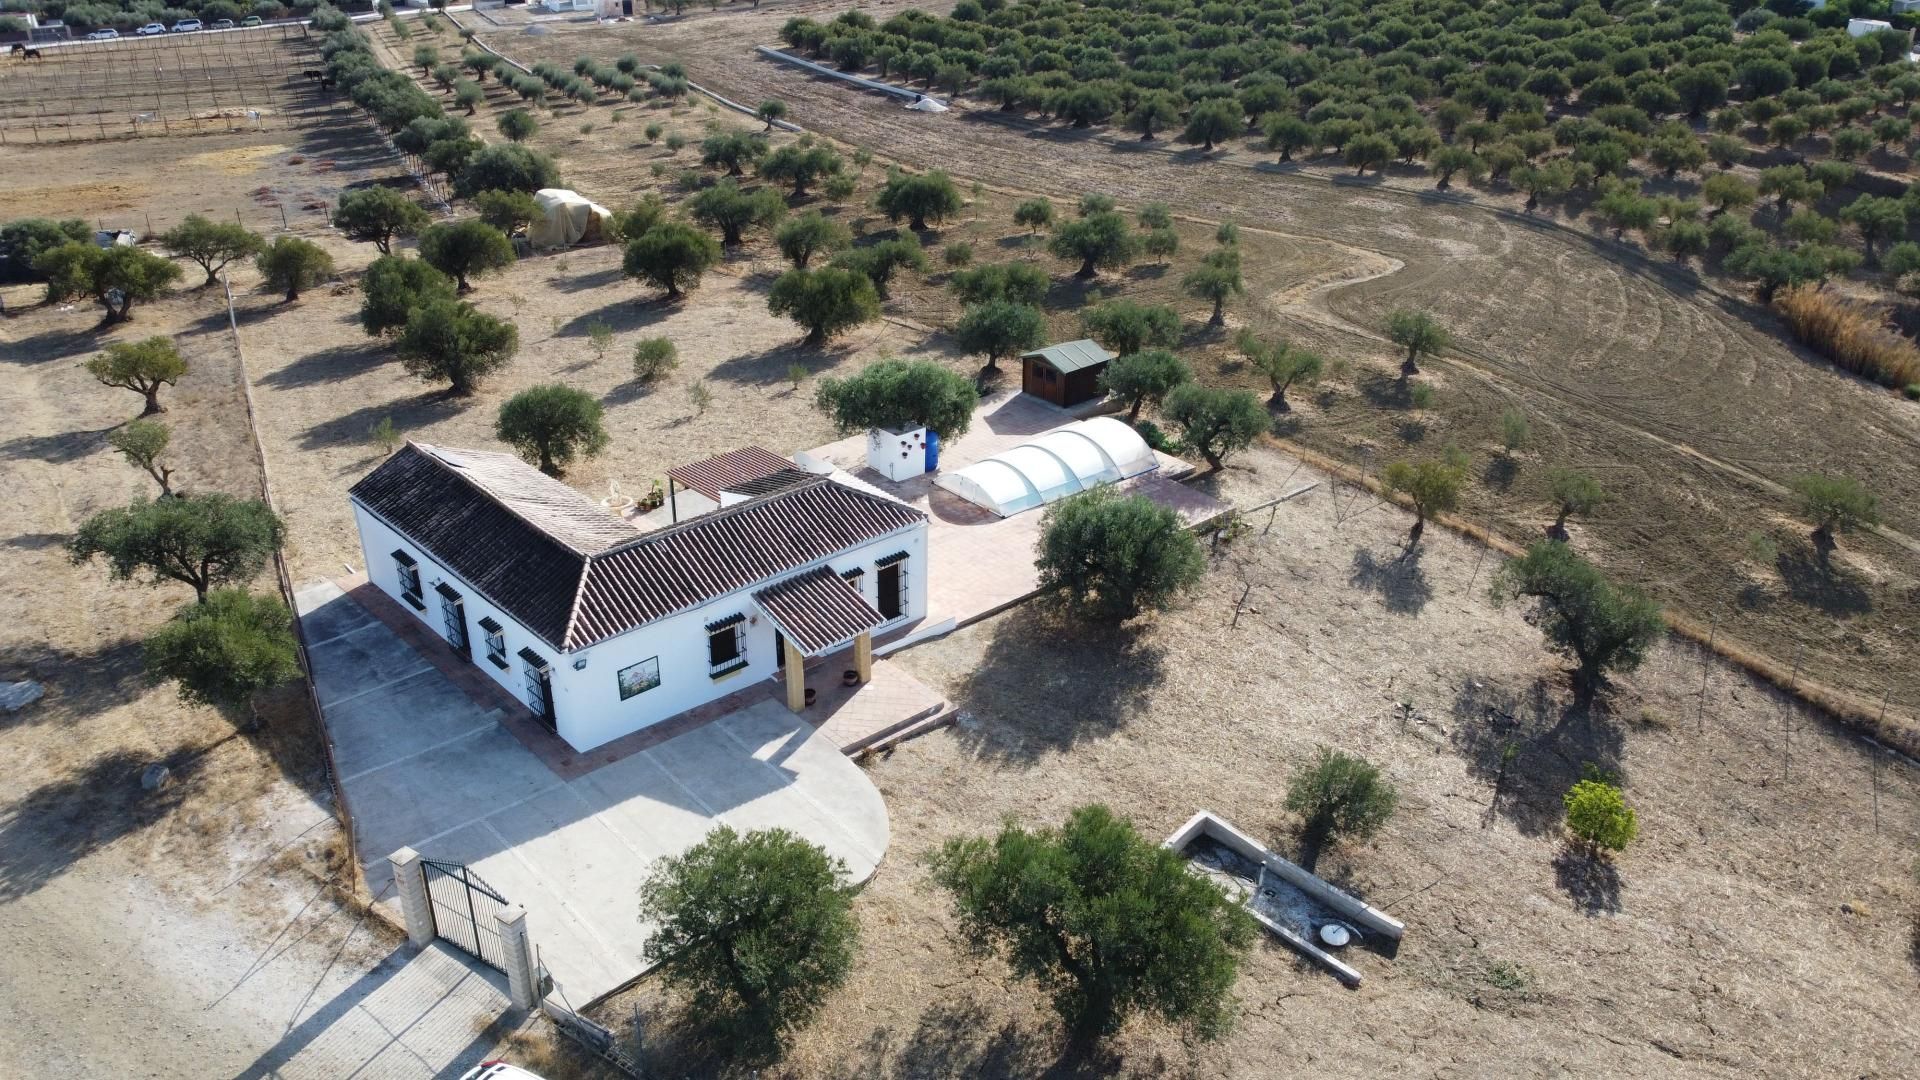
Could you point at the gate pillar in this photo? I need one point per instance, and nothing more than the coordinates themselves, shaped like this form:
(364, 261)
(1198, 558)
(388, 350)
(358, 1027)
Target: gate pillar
(522, 980)
(410, 881)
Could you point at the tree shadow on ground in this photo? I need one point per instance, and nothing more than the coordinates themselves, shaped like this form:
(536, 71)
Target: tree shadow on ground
(1500, 473)
(1384, 391)
(622, 315)
(408, 415)
(631, 391)
(1530, 744)
(769, 366)
(79, 684)
(966, 1038)
(1096, 678)
(46, 831)
(37, 541)
(328, 365)
(56, 449)
(1825, 585)
(50, 345)
(598, 279)
(1400, 583)
(1590, 880)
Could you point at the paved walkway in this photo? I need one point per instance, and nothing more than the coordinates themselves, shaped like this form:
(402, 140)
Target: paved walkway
(426, 766)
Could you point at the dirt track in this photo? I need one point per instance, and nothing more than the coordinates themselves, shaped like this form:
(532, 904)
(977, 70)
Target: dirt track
(1685, 402)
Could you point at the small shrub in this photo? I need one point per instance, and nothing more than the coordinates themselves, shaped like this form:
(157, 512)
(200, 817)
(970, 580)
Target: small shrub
(700, 396)
(1598, 816)
(675, 142)
(1421, 396)
(959, 254)
(385, 435)
(653, 132)
(1151, 433)
(653, 357)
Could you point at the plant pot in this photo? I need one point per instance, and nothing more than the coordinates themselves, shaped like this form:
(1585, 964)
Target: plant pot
(850, 677)
(811, 694)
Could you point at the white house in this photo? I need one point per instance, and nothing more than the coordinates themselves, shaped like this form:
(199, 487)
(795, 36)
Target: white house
(603, 630)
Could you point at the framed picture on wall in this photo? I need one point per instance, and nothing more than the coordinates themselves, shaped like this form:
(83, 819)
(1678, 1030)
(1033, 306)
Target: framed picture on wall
(639, 678)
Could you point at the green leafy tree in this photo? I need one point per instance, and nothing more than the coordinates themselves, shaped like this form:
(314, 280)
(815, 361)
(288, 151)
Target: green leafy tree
(143, 443)
(1546, 180)
(1449, 160)
(507, 211)
(810, 234)
(1598, 816)
(653, 357)
(1105, 922)
(1021, 283)
(1117, 555)
(1835, 504)
(1034, 215)
(1875, 219)
(919, 198)
(224, 650)
(1726, 191)
(1217, 279)
(451, 340)
(509, 167)
(518, 125)
(825, 302)
(551, 426)
(881, 261)
(377, 215)
(1338, 796)
(1432, 486)
(205, 541)
(23, 242)
(116, 277)
(1000, 328)
(727, 208)
(1155, 111)
(1368, 151)
(140, 366)
(801, 166)
(468, 95)
(1573, 492)
(464, 249)
(732, 151)
(1148, 375)
(291, 265)
(633, 222)
(1603, 626)
(1215, 421)
(771, 112)
(898, 395)
(211, 244)
(1282, 364)
(1514, 431)
(1086, 105)
(1624, 209)
(1212, 121)
(1286, 134)
(1126, 326)
(1417, 332)
(393, 286)
(1677, 153)
(1099, 240)
(755, 929)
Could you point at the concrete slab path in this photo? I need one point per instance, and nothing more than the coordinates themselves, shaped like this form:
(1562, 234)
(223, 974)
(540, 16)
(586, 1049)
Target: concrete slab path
(424, 766)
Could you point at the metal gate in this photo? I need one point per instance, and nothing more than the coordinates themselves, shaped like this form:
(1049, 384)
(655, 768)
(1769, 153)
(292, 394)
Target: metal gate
(463, 909)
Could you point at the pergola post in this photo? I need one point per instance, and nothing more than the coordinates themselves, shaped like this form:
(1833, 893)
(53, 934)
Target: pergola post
(863, 655)
(796, 677)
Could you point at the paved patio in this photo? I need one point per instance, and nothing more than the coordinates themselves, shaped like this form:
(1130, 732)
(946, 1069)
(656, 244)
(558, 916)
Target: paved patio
(981, 563)
(431, 764)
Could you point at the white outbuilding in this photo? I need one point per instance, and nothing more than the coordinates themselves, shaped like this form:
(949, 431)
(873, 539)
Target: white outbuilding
(1053, 465)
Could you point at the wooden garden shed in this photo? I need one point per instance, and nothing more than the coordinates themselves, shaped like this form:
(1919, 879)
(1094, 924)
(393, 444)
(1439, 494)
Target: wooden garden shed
(1065, 374)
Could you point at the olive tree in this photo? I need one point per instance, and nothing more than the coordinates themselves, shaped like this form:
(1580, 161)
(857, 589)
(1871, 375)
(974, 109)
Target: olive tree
(451, 340)
(223, 651)
(1034, 215)
(900, 394)
(143, 443)
(1215, 421)
(879, 262)
(1282, 364)
(800, 166)
(393, 287)
(1108, 923)
(918, 198)
(727, 208)
(1835, 504)
(116, 277)
(1148, 375)
(824, 302)
(1115, 556)
(1021, 283)
(291, 265)
(1000, 328)
(1603, 626)
(755, 929)
(810, 234)
(140, 366)
(732, 151)
(1418, 333)
(552, 425)
(377, 215)
(1338, 796)
(464, 249)
(1573, 492)
(1432, 486)
(211, 244)
(205, 541)
(672, 256)
(508, 211)
(1126, 327)
(1100, 241)
(1216, 280)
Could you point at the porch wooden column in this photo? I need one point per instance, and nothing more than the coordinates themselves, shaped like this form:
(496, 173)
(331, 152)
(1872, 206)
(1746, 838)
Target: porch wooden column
(796, 677)
(863, 656)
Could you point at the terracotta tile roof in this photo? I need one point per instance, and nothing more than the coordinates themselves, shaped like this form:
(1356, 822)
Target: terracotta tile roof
(818, 610)
(524, 545)
(719, 473)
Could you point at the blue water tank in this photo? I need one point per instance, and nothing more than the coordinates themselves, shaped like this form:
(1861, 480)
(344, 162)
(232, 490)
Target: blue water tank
(933, 451)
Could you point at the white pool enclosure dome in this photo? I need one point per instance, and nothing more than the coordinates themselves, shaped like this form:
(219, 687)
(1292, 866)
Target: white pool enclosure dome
(1053, 465)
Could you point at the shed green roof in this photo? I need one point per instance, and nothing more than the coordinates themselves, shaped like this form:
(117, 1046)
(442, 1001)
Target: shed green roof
(1069, 356)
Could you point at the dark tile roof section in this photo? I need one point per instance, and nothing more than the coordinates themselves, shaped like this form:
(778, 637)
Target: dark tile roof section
(728, 550)
(817, 610)
(540, 500)
(726, 471)
(466, 528)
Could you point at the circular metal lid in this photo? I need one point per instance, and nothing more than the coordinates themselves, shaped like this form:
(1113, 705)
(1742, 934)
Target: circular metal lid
(1335, 935)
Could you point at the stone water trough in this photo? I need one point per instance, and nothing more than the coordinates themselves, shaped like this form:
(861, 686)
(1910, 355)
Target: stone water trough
(1294, 905)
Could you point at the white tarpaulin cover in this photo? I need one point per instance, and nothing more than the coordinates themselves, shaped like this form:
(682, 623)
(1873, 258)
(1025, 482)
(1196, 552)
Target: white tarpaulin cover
(927, 104)
(1053, 465)
(566, 218)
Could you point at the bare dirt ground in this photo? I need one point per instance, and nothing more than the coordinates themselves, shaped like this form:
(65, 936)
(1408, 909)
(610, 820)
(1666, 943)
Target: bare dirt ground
(1685, 402)
(1763, 923)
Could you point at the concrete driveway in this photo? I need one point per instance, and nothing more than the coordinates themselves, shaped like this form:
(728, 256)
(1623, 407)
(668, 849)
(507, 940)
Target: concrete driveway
(425, 765)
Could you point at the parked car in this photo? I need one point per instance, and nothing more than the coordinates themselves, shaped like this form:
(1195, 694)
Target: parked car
(103, 35)
(187, 26)
(151, 29)
(498, 1070)
(253, 20)
(222, 24)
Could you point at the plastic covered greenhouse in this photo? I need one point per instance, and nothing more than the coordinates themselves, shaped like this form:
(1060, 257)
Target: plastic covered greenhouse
(1052, 466)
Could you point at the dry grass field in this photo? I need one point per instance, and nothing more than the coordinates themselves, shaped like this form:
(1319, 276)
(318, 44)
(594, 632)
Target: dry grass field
(1686, 402)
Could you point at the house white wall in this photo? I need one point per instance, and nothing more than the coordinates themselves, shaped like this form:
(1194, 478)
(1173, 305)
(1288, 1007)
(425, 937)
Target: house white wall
(586, 700)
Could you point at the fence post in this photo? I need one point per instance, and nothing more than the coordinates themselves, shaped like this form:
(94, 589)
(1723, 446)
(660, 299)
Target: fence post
(410, 881)
(522, 981)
